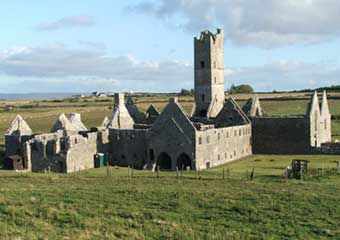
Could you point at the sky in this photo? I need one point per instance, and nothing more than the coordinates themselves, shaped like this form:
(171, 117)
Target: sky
(147, 45)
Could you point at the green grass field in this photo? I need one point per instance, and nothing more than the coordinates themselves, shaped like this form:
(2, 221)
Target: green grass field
(96, 205)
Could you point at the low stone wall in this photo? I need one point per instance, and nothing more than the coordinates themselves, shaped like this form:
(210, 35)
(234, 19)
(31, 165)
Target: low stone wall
(328, 148)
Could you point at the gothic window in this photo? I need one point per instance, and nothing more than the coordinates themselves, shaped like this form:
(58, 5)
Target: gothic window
(215, 80)
(325, 124)
(203, 97)
(214, 64)
(199, 140)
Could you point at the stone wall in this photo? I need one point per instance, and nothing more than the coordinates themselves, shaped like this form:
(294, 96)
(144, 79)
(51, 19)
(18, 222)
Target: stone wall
(216, 147)
(62, 154)
(80, 152)
(44, 153)
(14, 145)
(281, 135)
(209, 73)
(128, 147)
(171, 136)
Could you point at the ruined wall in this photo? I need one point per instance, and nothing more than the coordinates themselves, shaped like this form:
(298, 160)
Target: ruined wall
(128, 147)
(81, 151)
(62, 154)
(103, 142)
(325, 129)
(14, 145)
(44, 153)
(215, 147)
(281, 135)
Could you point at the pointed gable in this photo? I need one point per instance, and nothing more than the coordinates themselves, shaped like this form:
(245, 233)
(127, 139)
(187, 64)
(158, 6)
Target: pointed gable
(121, 118)
(324, 105)
(231, 115)
(252, 108)
(75, 120)
(313, 106)
(63, 123)
(174, 115)
(19, 127)
(152, 111)
(134, 111)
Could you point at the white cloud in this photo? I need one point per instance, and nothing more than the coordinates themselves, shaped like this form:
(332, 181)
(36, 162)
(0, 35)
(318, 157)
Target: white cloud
(261, 23)
(59, 68)
(67, 22)
(59, 65)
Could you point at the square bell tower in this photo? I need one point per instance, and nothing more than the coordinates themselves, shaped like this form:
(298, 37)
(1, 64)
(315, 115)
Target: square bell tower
(209, 74)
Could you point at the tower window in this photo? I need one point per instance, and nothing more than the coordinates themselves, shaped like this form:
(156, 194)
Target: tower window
(202, 64)
(215, 80)
(214, 64)
(203, 97)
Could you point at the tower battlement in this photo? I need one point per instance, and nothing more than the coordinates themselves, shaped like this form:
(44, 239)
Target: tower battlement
(207, 36)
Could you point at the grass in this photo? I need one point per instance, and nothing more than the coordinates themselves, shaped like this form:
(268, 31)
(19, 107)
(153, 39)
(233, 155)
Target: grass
(93, 205)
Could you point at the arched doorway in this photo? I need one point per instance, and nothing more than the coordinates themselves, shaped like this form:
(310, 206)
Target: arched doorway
(184, 162)
(164, 161)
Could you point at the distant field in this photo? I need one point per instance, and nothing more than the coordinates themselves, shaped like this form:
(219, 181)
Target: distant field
(42, 114)
(94, 205)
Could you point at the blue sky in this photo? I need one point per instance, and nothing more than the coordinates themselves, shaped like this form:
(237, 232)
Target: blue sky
(147, 45)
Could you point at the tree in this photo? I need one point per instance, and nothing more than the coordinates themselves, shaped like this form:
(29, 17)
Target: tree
(185, 92)
(243, 88)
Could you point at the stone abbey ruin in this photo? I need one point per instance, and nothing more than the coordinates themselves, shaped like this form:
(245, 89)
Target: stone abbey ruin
(217, 131)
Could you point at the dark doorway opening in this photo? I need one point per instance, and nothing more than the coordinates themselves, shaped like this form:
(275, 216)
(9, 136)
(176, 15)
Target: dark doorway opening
(151, 155)
(184, 162)
(164, 161)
